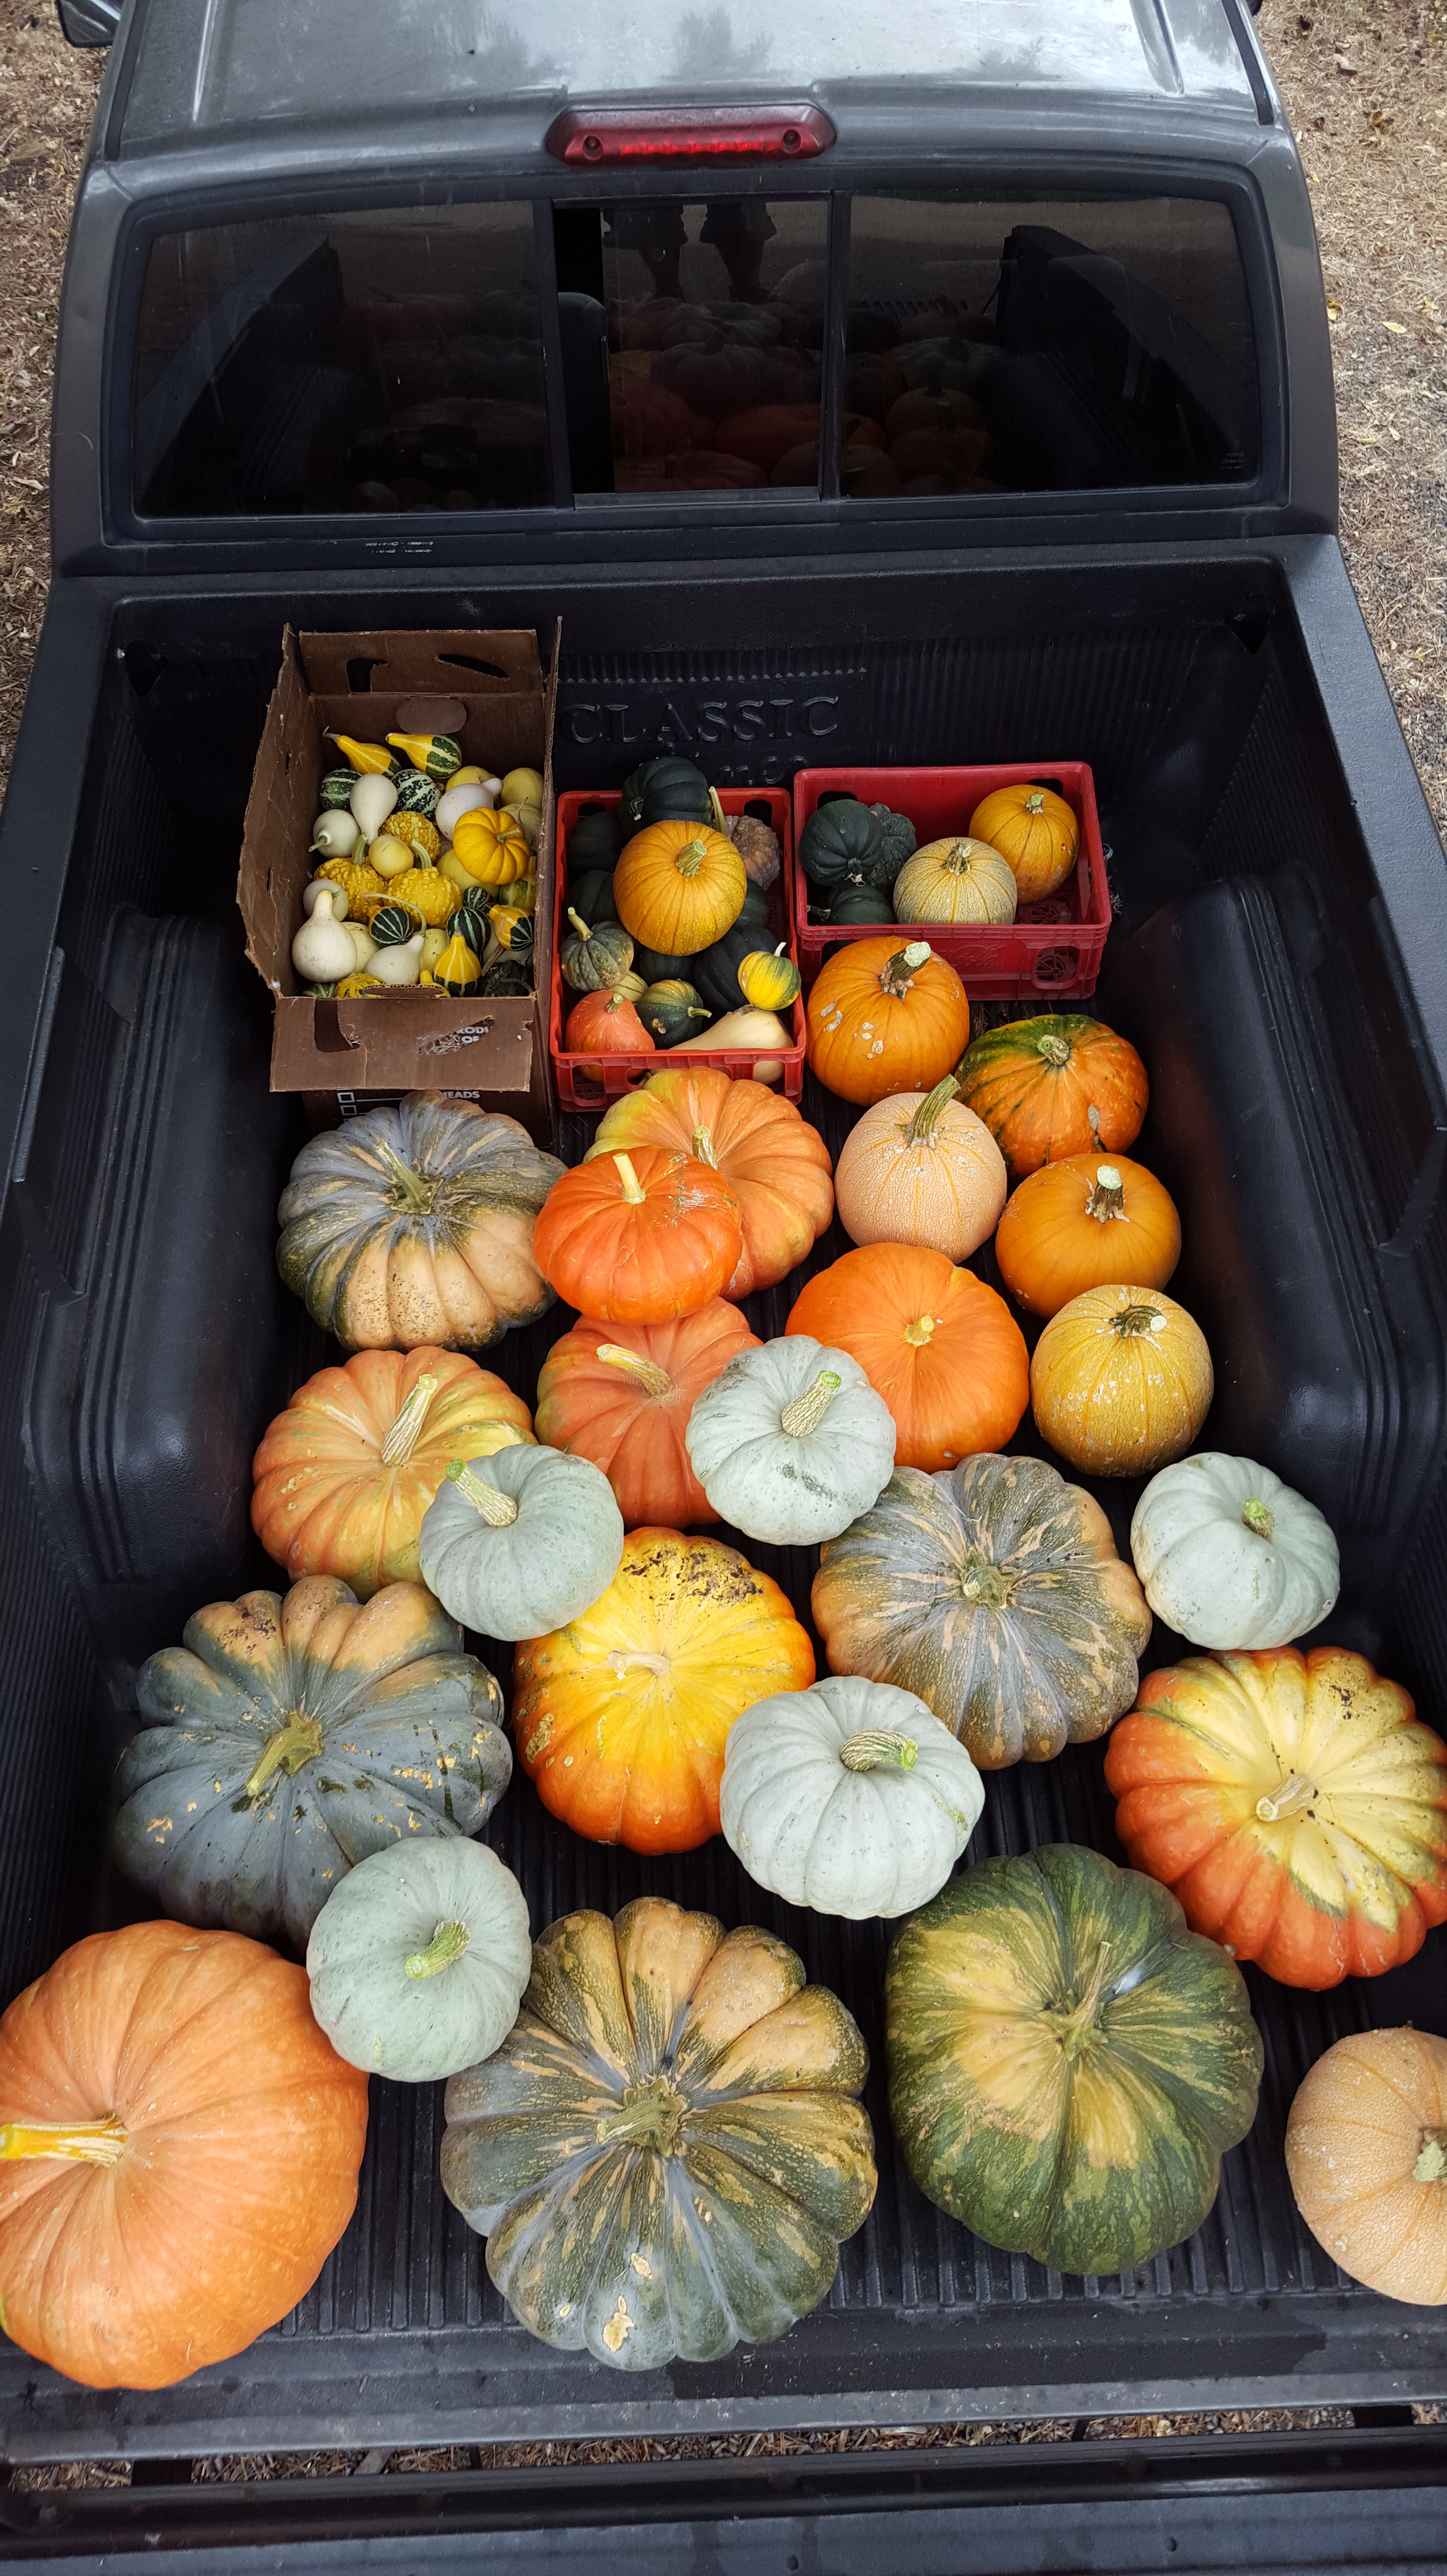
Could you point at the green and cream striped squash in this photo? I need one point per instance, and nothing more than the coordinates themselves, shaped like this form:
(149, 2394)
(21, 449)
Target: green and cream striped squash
(417, 793)
(1067, 2062)
(335, 792)
(667, 2151)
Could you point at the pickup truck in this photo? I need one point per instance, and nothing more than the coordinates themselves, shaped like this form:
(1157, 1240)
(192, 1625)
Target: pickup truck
(364, 316)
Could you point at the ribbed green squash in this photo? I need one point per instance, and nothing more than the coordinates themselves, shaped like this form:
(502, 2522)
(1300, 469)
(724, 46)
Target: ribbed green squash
(591, 894)
(594, 956)
(595, 843)
(898, 841)
(667, 2150)
(672, 1011)
(843, 841)
(336, 789)
(1067, 2062)
(855, 903)
(665, 790)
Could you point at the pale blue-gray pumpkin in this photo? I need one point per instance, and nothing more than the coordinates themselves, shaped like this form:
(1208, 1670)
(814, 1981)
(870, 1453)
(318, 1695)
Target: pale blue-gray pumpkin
(288, 1738)
(519, 1551)
(790, 1443)
(418, 1960)
(667, 2150)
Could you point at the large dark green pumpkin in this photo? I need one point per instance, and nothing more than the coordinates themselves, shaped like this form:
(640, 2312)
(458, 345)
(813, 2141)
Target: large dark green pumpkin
(667, 2152)
(288, 1737)
(595, 842)
(843, 843)
(665, 790)
(1067, 2062)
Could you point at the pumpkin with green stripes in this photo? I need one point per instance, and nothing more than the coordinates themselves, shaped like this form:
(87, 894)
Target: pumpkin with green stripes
(668, 2149)
(1067, 2062)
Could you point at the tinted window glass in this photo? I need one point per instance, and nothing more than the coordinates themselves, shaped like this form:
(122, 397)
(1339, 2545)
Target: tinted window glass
(691, 339)
(1045, 347)
(353, 362)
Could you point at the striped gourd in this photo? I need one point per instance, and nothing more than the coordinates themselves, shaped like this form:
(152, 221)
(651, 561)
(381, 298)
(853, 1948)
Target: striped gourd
(336, 789)
(436, 753)
(418, 794)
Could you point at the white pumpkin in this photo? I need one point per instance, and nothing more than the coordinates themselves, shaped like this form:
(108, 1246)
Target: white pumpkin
(1231, 1557)
(851, 1797)
(419, 1958)
(516, 1551)
(790, 1442)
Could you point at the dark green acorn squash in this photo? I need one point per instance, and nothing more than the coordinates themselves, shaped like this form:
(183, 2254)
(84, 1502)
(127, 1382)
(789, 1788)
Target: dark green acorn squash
(595, 842)
(672, 1011)
(656, 967)
(590, 894)
(507, 975)
(841, 842)
(665, 790)
(1067, 2062)
(855, 903)
(899, 841)
(715, 970)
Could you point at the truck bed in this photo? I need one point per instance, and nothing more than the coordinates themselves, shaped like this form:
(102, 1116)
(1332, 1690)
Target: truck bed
(1281, 908)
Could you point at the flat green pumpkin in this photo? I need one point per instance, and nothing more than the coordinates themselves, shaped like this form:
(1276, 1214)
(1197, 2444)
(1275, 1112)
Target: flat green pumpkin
(1067, 2062)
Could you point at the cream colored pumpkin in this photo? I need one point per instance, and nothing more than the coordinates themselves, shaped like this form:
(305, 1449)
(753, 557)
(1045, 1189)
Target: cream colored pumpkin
(957, 880)
(1366, 2150)
(921, 1168)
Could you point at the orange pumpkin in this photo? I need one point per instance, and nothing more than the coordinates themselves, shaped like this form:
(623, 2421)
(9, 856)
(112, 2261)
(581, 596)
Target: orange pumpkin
(1035, 830)
(678, 887)
(942, 1349)
(1121, 1381)
(344, 1475)
(621, 1395)
(775, 1164)
(1061, 1084)
(1082, 1224)
(921, 1168)
(885, 1018)
(1366, 2150)
(621, 1717)
(1293, 1805)
(179, 2149)
(490, 847)
(635, 1238)
(605, 1024)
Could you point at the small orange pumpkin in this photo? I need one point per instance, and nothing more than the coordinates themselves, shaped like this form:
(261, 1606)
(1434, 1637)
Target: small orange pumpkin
(1060, 1084)
(774, 1162)
(1035, 830)
(1083, 1223)
(678, 887)
(1121, 1381)
(1366, 2151)
(491, 847)
(885, 1018)
(605, 1024)
(621, 1395)
(940, 1346)
(636, 1238)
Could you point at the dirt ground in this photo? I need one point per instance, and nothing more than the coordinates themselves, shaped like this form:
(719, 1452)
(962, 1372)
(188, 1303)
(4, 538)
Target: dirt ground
(1365, 84)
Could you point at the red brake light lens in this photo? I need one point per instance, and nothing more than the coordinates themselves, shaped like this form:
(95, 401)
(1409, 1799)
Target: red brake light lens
(587, 141)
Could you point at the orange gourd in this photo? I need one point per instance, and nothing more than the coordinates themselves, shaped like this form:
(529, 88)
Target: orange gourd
(179, 2150)
(1061, 1084)
(605, 1024)
(921, 1168)
(1293, 1805)
(1082, 1224)
(621, 1395)
(1366, 2152)
(1121, 1381)
(344, 1475)
(635, 1238)
(621, 1717)
(1035, 830)
(885, 1018)
(774, 1163)
(942, 1349)
(678, 887)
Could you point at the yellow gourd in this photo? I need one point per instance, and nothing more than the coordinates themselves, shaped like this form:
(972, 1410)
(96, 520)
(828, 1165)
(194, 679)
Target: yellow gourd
(351, 986)
(490, 848)
(504, 919)
(362, 884)
(420, 835)
(770, 982)
(432, 946)
(365, 757)
(427, 893)
(457, 969)
(523, 895)
(436, 754)
(522, 787)
(389, 854)
(471, 776)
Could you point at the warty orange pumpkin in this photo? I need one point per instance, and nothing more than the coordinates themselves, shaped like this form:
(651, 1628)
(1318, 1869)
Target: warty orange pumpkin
(885, 1018)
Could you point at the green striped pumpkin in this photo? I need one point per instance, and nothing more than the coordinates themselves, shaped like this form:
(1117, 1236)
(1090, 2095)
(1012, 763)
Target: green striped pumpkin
(417, 793)
(668, 2150)
(1067, 2062)
(336, 789)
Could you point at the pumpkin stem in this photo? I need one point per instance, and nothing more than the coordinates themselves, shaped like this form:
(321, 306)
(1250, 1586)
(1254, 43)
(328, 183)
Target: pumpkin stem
(1034, 802)
(691, 858)
(88, 2142)
(285, 1749)
(1258, 1518)
(1056, 1051)
(1075, 2022)
(930, 1111)
(497, 1509)
(903, 966)
(409, 1189)
(875, 1746)
(648, 1373)
(918, 1333)
(1107, 1197)
(579, 924)
(1431, 2164)
(659, 1665)
(652, 2115)
(985, 1585)
(1134, 1321)
(406, 1431)
(808, 1410)
(1291, 1797)
(703, 1147)
(633, 1194)
(447, 1944)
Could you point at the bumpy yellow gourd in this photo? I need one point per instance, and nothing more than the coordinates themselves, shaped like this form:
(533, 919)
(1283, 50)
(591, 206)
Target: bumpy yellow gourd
(353, 985)
(426, 892)
(363, 885)
(491, 848)
(417, 832)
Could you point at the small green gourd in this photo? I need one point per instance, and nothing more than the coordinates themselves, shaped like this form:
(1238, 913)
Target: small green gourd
(336, 788)
(594, 960)
(417, 794)
(507, 976)
(391, 925)
(671, 1011)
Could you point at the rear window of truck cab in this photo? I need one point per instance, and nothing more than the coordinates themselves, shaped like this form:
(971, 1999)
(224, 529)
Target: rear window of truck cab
(428, 359)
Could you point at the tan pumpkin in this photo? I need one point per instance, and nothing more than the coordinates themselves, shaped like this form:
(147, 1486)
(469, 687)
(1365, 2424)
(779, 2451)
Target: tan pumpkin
(1121, 1381)
(921, 1168)
(1366, 2150)
(961, 881)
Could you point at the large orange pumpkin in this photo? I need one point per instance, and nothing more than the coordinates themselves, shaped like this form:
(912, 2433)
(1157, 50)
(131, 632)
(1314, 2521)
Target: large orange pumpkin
(344, 1476)
(1121, 1381)
(1293, 1805)
(1366, 2150)
(774, 1163)
(1062, 1084)
(1082, 1224)
(179, 2149)
(621, 1717)
(621, 1395)
(942, 1349)
(886, 1017)
(678, 887)
(635, 1238)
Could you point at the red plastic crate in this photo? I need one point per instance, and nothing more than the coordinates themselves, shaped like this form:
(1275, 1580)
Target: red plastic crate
(590, 1082)
(1007, 962)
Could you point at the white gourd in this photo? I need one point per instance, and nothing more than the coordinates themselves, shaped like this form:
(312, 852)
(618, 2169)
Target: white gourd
(363, 949)
(419, 1958)
(517, 1544)
(336, 833)
(1231, 1557)
(464, 796)
(744, 1031)
(790, 1442)
(318, 886)
(851, 1797)
(371, 800)
(389, 855)
(401, 964)
(322, 950)
(433, 943)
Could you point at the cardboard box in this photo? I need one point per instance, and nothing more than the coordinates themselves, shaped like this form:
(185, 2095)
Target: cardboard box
(493, 1051)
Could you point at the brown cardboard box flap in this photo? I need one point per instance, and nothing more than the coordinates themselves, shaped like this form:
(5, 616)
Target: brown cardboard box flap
(455, 663)
(410, 1040)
